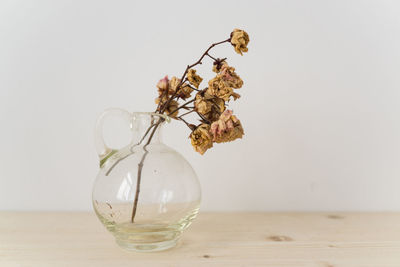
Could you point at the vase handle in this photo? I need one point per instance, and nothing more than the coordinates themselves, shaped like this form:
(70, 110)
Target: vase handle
(102, 149)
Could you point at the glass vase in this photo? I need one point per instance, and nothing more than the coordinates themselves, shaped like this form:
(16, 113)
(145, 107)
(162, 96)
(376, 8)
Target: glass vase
(146, 193)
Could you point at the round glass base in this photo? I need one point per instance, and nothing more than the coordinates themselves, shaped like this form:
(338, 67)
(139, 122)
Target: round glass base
(146, 247)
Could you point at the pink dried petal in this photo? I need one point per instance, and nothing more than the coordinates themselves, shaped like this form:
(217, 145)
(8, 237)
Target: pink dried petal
(163, 83)
(229, 125)
(221, 127)
(213, 129)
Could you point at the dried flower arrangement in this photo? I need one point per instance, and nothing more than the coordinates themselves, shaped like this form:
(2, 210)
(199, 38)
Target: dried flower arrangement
(217, 123)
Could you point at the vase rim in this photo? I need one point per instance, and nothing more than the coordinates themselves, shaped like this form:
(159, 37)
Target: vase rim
(163, 116)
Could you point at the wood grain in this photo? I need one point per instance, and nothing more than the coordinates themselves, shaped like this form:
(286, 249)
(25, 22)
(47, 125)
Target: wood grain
(56, 239)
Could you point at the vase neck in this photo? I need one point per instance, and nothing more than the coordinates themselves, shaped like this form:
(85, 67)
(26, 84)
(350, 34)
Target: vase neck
(147, 128)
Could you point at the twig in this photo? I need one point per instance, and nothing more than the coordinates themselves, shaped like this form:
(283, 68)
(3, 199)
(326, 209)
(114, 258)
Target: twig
(191, 126)
(198, 90)
(147, 131)
(140, 168)
(212, 57)
(182, 106)
(131, 149)
(186, 113)
(201, 116)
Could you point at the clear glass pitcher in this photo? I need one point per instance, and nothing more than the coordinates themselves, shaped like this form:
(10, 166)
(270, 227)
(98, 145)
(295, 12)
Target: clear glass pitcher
(146, 193)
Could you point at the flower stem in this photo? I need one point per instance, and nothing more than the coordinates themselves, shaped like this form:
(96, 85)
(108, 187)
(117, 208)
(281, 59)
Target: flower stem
(182, 106)
(184, 114)
(140, 168)
(212, 57)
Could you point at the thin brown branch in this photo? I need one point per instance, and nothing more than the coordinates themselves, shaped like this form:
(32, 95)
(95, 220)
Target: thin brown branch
(195, 89)
(182, 106)
(184, 114)
(202, 117)
(212, 57)
(205, 53)
(140, 168)
(191, 126)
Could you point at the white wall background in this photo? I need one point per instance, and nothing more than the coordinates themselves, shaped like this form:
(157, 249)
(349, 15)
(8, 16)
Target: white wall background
(320, 105)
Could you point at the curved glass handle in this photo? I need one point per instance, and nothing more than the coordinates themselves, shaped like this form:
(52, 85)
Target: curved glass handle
(102, 149)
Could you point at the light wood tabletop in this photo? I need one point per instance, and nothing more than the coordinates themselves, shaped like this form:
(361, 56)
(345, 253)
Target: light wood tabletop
(56, 239)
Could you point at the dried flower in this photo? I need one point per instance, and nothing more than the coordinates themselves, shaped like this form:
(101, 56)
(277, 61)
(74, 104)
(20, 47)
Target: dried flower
(201, 104)
(172, 106)
(185, 92)
(217, 87)
(209, 106)
(201, 138)
(240, 40)
(217, 65)
(173, 84)
(230, 77)
(163, 85)
(193, 78)
(227, 128)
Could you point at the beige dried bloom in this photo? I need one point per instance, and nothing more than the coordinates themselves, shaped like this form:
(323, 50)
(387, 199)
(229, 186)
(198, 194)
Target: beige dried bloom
(230, 77)
(201, 104)
(173, 84)
(217, 65)
(193, 78)
(172, 106)
(227, 128)
(217, 87)
(185, 92)
(240, 40)
(209, 106)
(201, 138)
(222, 85)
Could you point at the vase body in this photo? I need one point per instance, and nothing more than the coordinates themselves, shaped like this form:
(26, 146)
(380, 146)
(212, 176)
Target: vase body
(157, 178)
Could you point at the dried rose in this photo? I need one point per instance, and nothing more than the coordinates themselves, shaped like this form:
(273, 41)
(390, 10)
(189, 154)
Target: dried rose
(185, 92)
(173, 84)
(240, 40)
(209, 106)
(163, 85)
(193, 78)
(217, 65)
(172, 106)
(201, 104)
(217, 87)
(230, 77)
(227, 128)
(201, 138)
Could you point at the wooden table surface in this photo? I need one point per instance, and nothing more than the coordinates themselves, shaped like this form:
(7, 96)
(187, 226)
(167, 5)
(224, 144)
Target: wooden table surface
(77, 239)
